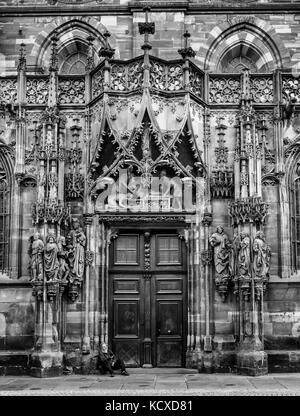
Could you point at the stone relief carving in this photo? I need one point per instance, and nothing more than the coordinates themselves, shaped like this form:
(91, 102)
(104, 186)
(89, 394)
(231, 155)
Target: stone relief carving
(8, 90)
(261, 89)
(61, 262)
(232, 262)
(71, 91)
(37, 90)
(224, 89)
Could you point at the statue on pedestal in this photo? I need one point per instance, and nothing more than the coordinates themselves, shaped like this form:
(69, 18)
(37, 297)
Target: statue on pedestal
(244, 255)
(51, 258)
(36, 254)
(63, 270)
(243, 268)
(222, 250)
(220, 242)
(76, 251)
(262, 256)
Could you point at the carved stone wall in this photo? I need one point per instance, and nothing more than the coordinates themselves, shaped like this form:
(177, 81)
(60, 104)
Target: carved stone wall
(139, 102)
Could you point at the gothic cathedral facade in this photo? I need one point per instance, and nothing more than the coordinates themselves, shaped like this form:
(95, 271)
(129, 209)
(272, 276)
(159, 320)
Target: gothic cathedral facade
(149, 185)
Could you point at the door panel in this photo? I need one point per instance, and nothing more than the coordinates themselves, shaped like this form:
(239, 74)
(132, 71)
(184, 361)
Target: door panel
(169, 284)
(169, 332)
(148, 305)
(169, 354)
(129, 351)
(127, 314)
(126, 318)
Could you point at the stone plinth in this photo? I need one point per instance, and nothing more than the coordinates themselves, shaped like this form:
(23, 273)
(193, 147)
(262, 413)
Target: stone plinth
(46, 364)
(206, 362)
(89, 363)
(252, 363)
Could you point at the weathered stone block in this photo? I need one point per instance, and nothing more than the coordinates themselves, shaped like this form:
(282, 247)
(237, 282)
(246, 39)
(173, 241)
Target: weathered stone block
(9, 358)
(21, 342)
(224, 361)
(284, 361)
(282, 328)
(281, 343)
(223, 327)
(224, 342)
(46, 364)
(16, 370)
(89, 364)
(252, 363)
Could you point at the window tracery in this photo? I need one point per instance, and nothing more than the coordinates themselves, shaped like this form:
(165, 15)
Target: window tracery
(4, 215)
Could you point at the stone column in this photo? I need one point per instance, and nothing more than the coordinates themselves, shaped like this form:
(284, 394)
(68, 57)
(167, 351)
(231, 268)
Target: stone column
(190, 306)
(248, 213)
(206, 361)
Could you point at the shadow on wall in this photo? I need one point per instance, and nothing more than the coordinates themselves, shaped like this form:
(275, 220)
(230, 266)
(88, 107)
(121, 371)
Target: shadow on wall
(17, 327)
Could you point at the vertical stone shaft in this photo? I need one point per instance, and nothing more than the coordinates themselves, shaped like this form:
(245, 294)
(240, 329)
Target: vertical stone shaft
(86, 345)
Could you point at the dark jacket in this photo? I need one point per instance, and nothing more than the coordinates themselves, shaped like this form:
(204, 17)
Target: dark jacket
(108, 357)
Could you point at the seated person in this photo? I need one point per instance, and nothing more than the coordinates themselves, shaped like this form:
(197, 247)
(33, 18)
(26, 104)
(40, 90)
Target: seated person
(109, 362)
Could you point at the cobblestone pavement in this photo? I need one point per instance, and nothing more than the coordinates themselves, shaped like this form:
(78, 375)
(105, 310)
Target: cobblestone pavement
(156, 381)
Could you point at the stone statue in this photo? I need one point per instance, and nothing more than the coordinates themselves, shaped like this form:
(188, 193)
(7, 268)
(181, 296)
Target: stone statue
(244, 255)
(76, 250)
(51, 258)
(262, 256)
(52, 179)
(41, 186)
(36, 254)
(234, 254)
(220, 242)
(63, 270)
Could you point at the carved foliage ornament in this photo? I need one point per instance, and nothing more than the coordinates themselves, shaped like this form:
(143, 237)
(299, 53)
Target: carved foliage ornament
(50, 212)
(8, 90)
(166, 77)
(74, 185)
(261, 89)
(37, 90)
(251, 209)
(224, 90)
(71, 91)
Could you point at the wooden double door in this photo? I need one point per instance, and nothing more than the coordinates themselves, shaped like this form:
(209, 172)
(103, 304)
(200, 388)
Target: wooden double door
(147, 319)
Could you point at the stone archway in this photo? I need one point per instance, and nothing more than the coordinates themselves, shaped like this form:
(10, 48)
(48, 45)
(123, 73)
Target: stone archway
(247, 30)
(69, 30)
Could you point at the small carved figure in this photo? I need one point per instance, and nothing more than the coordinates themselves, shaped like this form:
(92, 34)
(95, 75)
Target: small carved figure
(234, 254)
(220, 242)
(262, 256)
(244, 255)
(52, 179)
(289, 107)
(41, 186)
(50, 258)
(37, 250)
(76, 248)
(63, 270)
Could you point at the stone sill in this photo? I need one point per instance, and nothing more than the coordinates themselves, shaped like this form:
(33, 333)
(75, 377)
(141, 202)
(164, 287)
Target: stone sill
(14, 283)
(293, 279)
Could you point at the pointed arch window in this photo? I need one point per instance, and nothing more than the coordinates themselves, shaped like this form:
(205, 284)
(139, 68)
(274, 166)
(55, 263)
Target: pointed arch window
(5, 204)
(295, 218)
